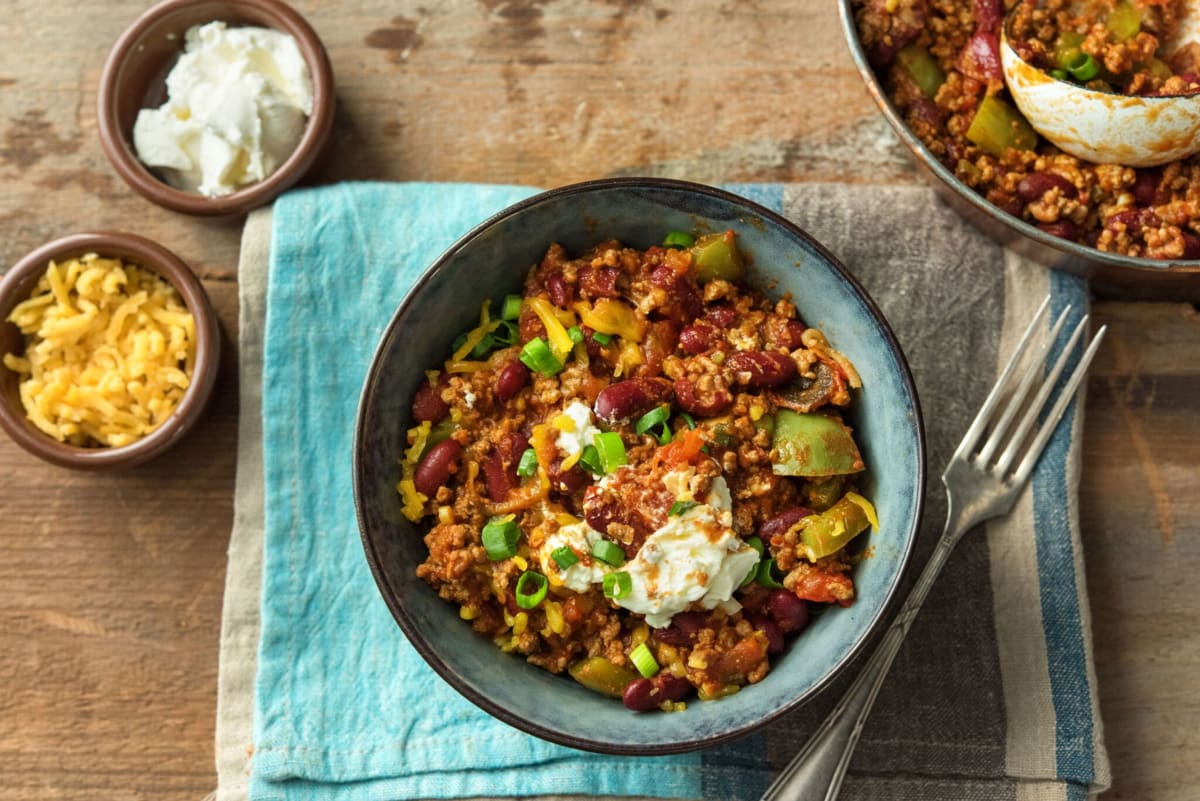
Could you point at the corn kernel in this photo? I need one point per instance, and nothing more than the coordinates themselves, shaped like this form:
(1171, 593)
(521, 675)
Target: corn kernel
(508, 619)
(640, 635)
(519, 624)
(697, 662)
(756, 412)
(445, 515)
(554, 617)
(520, 562)
(467, 613)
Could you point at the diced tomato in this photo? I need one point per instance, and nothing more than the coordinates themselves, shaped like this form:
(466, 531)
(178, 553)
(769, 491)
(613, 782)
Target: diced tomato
(825, 588)
(684, 449)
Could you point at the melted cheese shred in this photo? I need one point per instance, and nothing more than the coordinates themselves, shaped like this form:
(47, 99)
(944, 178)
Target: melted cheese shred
(109, 351)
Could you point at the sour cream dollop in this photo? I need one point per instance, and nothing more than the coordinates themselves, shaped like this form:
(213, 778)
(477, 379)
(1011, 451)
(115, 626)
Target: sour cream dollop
(237, 103)
(693, 558)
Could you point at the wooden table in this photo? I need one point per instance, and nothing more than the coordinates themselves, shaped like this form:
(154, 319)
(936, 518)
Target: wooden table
(110, 585)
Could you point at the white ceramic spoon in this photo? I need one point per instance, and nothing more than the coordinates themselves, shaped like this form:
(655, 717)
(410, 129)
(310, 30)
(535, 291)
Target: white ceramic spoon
(1102, 127)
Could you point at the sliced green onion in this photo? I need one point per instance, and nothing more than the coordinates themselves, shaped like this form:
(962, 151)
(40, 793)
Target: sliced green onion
(652, 418)
(564, 557)
(680, 507)
(528, 464)
(576, 334)
(1059, 75)
(757, 545)
(608, 552)
(1083, 67)
(664, 435)
(507, 333)
(611, 450)
(511, 309)
(644, 661)
(590, 459)
(536, 356)
(687, 418)
(617, 585)
(678, 239)
(767, 575)
(603, 339)
(499, 537)
(531, 589)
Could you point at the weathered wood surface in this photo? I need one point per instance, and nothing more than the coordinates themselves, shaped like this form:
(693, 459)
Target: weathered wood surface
(110, 586)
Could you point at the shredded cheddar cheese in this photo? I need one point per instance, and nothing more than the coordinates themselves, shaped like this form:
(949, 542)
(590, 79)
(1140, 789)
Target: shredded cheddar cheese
(109, 351)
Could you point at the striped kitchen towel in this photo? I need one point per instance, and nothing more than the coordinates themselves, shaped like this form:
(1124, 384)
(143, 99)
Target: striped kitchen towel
(992, 697)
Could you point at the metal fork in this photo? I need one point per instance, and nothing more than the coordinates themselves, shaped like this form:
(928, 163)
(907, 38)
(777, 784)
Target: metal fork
(979, 486)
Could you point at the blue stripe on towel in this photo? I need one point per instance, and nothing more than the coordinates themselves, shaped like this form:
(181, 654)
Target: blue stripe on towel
(1065, 651)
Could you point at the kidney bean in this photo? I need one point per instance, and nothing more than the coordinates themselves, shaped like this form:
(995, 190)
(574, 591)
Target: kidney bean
(780, 332)
(1063, 229)
(1036, 184)
(560, 293)
(1191, 245)
(903, 28)
(639, 696)
(775, 641)
(644, 695)
(670, 687)
(511, 379)
(927, 111)
(756, 370)
(1134, 220)
(625, 400)
(1145, 188)
(721, 315)
(682, 630)
(599, 282)
(698, 337)
(566, 480)
(788, 611)
(500, 469)
(980, 58)
(988, 14)
(781, 522)
(702, 403)
(427, 405)
(434, 470)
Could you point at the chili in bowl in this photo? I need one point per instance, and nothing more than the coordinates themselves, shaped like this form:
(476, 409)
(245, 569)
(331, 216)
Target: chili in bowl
(634, 470)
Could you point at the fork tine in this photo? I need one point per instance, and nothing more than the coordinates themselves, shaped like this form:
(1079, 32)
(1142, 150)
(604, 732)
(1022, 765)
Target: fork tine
(1018, 397)
(1060, 407)
(1039, 400)
(971, 438)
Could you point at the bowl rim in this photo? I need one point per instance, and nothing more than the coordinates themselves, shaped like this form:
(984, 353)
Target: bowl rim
(15, 286)
(431, 655)
(308, 150)
(1073, 250)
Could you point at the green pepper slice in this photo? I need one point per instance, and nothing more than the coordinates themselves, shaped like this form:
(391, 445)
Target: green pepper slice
(1124, 21)
(812, 445)
(998, 126)
(827, 533)
(921, 67)
(599, 675)
(716, 257)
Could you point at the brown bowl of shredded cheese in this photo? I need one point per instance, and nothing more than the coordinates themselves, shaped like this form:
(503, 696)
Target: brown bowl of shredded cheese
(108, 350)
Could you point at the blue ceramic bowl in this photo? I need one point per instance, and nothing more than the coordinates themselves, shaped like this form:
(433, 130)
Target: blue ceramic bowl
(491, 261)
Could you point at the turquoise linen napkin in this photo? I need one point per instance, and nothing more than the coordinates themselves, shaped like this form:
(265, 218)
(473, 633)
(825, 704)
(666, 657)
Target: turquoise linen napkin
(345, 707)
(992, 697)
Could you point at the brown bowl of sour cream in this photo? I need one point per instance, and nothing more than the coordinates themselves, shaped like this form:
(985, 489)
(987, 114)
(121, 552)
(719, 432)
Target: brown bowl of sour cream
(215, 107)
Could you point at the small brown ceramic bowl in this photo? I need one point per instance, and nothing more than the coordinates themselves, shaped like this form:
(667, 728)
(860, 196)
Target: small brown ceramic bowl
(134, 78)
(18, 283)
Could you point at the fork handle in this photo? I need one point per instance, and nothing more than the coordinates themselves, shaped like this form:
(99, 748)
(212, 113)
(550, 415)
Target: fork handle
(816, 773)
